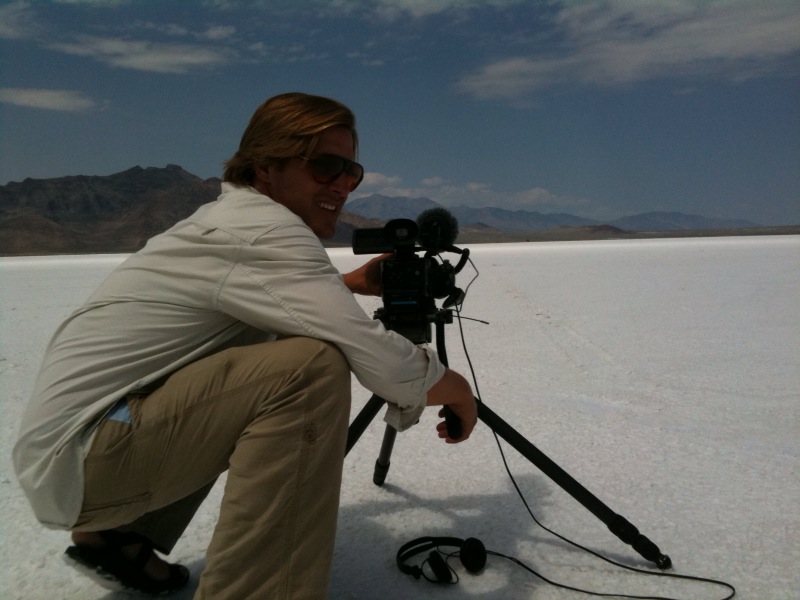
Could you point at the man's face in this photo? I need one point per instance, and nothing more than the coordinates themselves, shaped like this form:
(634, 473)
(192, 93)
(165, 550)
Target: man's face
(292, 184)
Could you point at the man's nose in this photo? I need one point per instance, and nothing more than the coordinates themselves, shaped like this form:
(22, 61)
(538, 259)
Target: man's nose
(341, 185)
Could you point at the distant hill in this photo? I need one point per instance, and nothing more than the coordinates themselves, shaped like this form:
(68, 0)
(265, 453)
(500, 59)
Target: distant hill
(384, 208)
(675, 221)
(93, 214)
(120, 212)
(107, 214)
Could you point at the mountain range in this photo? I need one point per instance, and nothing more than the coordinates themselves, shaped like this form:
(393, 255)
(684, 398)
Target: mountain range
(119, 212)
(384, 208)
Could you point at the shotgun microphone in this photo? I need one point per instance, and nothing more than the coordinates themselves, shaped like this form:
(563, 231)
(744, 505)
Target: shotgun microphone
(438, 229)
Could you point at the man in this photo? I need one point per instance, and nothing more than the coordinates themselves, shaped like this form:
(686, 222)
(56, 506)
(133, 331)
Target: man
(226, 344)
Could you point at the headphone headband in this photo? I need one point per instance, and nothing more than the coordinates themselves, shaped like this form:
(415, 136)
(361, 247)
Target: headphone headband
(472, 553)
(418, 546)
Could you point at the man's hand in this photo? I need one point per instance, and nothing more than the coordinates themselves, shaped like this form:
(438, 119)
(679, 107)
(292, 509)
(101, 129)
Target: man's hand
(366, 280)
(454, 391)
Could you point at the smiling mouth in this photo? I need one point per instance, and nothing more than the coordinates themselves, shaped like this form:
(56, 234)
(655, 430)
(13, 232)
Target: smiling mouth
(326, 206)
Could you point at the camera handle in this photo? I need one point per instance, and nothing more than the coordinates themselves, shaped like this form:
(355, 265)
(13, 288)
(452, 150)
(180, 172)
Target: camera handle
(617, 524)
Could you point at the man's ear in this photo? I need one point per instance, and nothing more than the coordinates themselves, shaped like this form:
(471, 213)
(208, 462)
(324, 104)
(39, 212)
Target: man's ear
(261, 180)
(262, 174)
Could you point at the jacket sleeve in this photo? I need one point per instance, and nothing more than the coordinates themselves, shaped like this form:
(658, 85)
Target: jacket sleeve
(285, 283)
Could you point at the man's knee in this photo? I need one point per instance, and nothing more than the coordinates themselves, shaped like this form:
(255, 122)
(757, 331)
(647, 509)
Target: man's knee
(322, 354)
(325, 377)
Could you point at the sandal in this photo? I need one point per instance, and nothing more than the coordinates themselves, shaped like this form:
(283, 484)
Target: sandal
(109, 567)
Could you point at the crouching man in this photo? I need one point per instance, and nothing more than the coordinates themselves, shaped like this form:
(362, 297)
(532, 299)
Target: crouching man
(226, 344)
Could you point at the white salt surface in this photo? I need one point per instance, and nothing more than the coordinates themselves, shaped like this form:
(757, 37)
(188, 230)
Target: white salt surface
(663, 375)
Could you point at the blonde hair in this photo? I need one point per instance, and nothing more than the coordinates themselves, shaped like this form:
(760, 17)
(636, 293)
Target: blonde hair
(285, 126)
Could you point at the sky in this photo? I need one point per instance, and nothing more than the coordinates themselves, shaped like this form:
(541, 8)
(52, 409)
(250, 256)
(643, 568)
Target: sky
(599, 108)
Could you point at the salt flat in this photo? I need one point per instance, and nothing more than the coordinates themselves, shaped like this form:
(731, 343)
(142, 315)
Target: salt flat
(664, 375)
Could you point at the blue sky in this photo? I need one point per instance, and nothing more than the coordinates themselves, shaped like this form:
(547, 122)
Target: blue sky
(600, 108)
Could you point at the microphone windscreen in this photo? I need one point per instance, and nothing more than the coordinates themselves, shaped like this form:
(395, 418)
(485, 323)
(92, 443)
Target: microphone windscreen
(438, 228)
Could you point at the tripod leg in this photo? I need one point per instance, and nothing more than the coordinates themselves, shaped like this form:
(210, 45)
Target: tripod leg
(357, 428)
(618, 524)
(384, 460)
(362, 421)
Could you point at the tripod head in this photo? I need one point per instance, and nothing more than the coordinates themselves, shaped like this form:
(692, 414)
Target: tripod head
(412, 283)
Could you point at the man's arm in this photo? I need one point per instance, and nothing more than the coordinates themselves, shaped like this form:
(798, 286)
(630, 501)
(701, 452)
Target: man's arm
(366, 279)
(454, 391)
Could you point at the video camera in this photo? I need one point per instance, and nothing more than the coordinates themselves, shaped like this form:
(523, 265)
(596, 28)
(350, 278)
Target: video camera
(410, 283)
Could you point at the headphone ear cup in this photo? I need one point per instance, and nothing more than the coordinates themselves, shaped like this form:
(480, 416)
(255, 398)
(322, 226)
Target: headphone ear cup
(439, 567)
(473, 555)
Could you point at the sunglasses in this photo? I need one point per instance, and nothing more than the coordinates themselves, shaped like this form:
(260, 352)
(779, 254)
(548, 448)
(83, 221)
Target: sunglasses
(327, 168)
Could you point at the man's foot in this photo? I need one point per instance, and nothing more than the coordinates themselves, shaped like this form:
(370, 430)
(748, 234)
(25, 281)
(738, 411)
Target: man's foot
(124, 560)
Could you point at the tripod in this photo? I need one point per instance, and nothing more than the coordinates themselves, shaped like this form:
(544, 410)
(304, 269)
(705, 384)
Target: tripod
(618, 524)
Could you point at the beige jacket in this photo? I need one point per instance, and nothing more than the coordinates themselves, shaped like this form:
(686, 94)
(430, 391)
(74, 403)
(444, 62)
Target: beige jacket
(240, 268)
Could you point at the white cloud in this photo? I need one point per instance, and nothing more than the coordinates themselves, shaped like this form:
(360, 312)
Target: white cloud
(18, 21)
(212, 33)
(397, 9)
(144, 55)
(218, 33)
(364, 59)
(168, 29)
(378, 180)
(393, 9)
(611, 42)
(95, 2)
(63, 100)
(475, 194)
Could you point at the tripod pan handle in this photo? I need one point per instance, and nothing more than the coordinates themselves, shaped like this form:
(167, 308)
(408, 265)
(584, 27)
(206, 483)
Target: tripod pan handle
(454, 429)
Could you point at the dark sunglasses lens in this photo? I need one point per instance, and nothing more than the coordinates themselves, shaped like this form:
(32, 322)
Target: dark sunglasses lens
(356, 173)
(328, 167)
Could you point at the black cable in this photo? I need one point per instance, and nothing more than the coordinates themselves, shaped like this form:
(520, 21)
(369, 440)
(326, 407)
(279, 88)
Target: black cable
(558, 535)
(600, 556)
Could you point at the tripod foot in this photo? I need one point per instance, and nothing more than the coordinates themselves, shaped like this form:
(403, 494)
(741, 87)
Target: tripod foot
(385, 457)
(380, 472)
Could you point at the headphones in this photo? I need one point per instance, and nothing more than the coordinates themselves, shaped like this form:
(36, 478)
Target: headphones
(471, 551)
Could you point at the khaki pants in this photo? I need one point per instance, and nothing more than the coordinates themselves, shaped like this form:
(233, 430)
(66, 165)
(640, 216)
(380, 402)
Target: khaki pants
(274, 416)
